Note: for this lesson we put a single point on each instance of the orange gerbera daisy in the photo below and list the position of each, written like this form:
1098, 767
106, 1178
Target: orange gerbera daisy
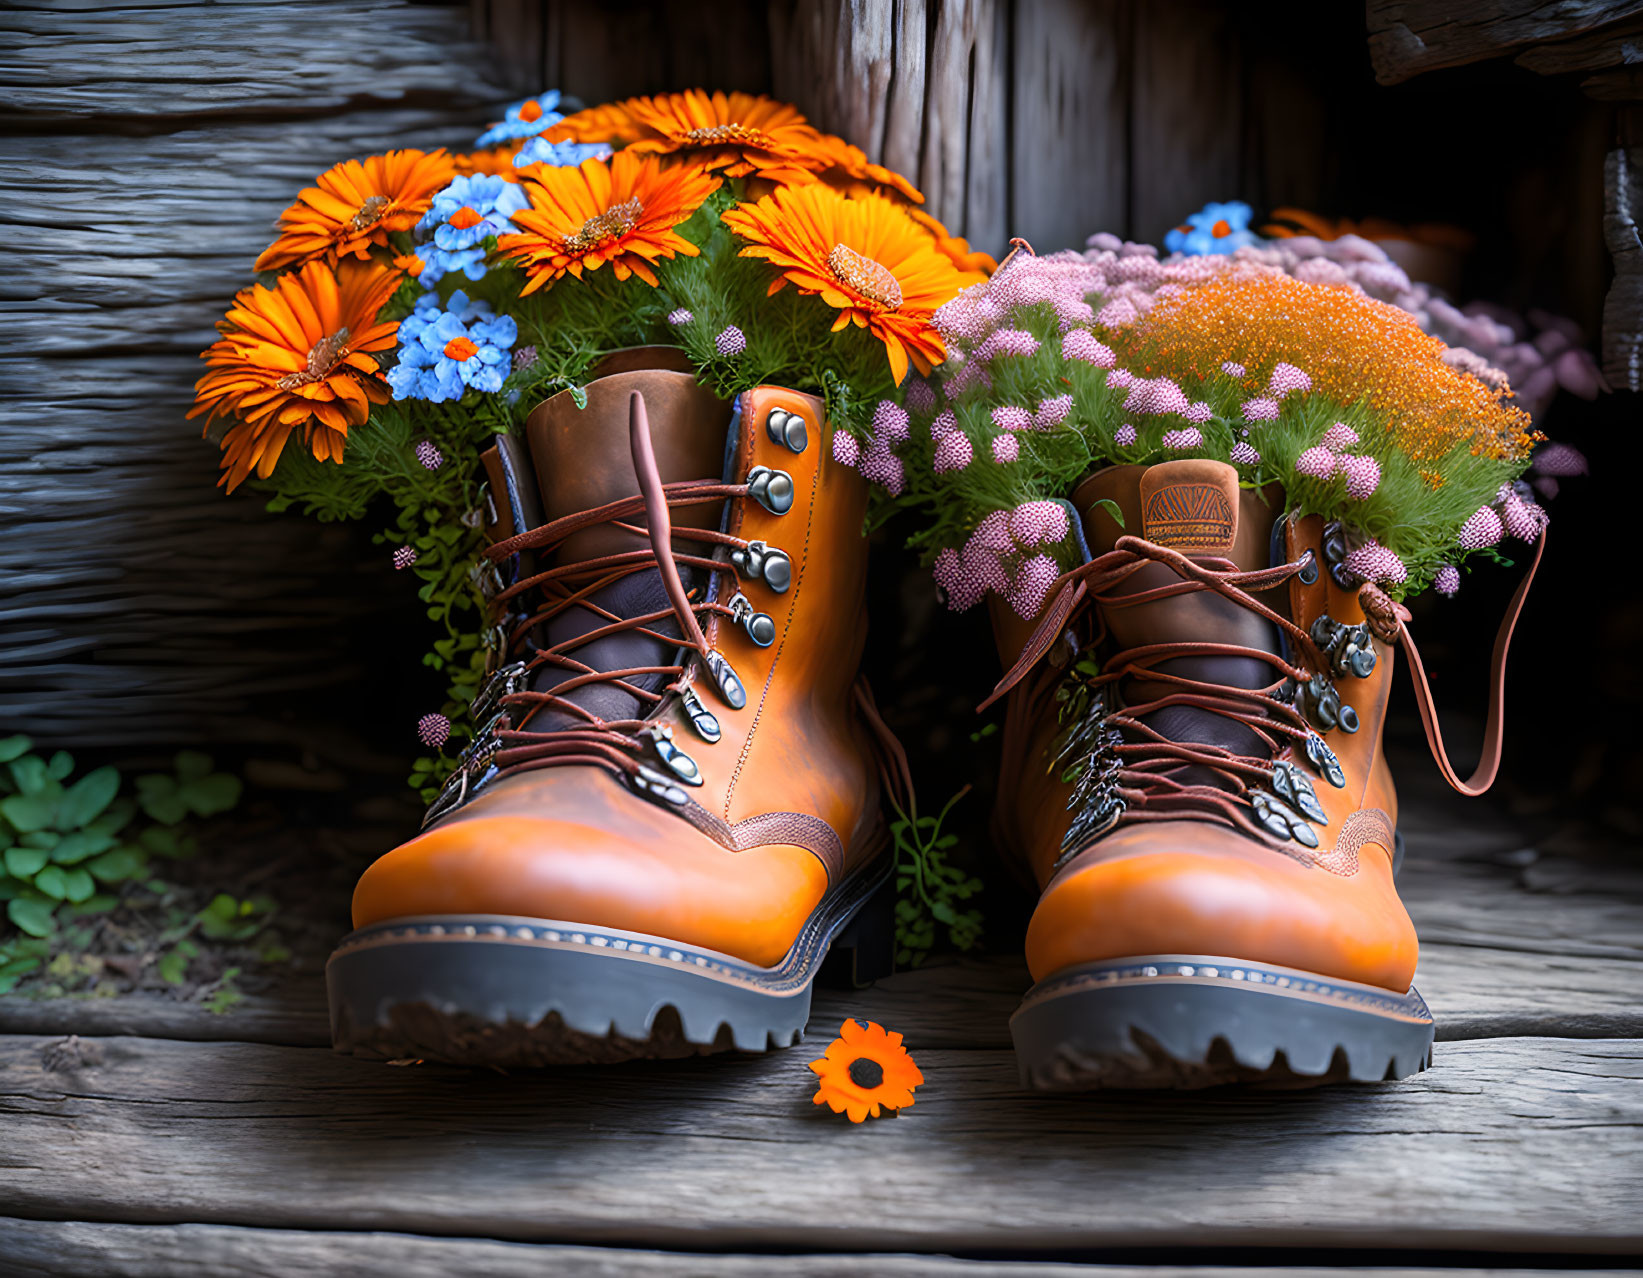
956, 247
864, 256
355, 205
847, 166
295, 355
864, 1070
611, 123
623, 212
497, 161
736, 134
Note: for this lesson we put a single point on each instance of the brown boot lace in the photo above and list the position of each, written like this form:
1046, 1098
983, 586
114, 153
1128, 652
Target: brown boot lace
1126, 771
636, 748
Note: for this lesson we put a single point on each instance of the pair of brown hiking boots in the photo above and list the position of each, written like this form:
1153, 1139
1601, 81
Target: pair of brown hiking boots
671, 809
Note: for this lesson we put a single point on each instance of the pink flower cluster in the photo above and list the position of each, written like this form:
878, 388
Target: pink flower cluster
1325, 460
1003, 556
1522, 519
1286, 379
1511, 515
433, 730
1374, 562
1153, 396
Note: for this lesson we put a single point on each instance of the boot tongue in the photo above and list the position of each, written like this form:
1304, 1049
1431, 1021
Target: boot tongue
583, 460
1197, 508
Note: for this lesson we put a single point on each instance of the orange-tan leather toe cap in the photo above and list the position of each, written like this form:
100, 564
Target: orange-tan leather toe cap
1192, 888
571, 844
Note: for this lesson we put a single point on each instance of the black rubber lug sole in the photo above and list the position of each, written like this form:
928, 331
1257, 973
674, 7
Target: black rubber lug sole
507, 992
1189, 1021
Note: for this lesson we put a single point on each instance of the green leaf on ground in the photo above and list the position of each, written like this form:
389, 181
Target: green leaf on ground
32, 915
25, 863
28, 812
87, 799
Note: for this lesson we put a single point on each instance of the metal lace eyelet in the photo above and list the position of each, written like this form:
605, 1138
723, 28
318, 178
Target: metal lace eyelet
1308, 576
725, 682
772, 489
761, 629
766, 563
680, 763
787, 429
701, 719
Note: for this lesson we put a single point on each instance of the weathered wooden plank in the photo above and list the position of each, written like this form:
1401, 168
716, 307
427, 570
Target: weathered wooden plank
1069, 127
1622, 217
137, 604
264, 58
1407, 37
1618, 45
1513, 1145
1186, 122
50, 1248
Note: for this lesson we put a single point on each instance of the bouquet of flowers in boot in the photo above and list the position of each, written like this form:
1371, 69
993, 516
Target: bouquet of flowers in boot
416, 305
1337, 403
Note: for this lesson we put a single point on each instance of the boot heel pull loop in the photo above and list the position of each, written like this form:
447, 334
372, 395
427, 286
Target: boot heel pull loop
1495, 724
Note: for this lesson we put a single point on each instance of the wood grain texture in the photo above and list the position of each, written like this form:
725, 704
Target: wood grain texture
50, 1248
1623, 305
661, 1154
1407, 37
1620, 44
1069, 121
1185, 143
257, 58
138, 605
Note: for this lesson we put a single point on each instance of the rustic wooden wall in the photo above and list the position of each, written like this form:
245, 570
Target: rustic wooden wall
145, 153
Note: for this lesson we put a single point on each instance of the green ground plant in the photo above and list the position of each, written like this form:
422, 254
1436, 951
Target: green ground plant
72, 849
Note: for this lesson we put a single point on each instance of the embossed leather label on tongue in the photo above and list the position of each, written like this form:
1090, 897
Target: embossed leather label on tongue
1190, 506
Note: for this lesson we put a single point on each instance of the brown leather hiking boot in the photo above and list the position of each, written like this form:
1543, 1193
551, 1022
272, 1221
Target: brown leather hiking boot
672, 806
1194, 778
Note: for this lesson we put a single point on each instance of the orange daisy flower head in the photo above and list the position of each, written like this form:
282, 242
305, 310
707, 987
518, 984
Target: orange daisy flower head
625, 212
297, 356
972, 262
610, 123
496, 162
353, 207
848, 168
737, 134
864, 256
864, 1071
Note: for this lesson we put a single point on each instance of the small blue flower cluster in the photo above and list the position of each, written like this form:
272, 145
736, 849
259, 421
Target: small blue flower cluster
445, 350
1215, 228
523, 120
486, 204
559, 154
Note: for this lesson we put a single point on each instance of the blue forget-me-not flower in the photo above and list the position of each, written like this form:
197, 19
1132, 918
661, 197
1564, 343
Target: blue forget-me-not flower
1215, 228
444, 350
